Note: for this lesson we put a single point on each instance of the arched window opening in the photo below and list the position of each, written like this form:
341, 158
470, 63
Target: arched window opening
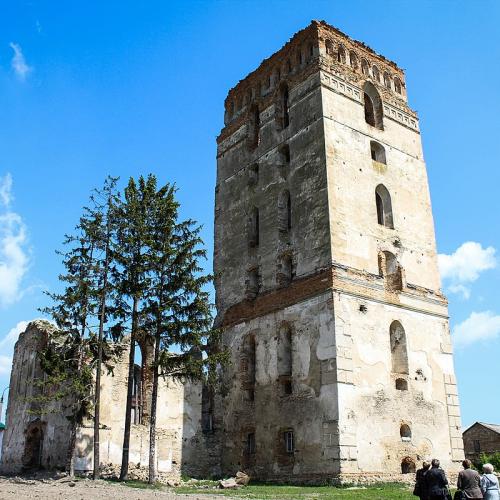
365, 68
377, 152
285, 270
376, 74
391, 271
254, 127
373, 106
285, 212
329, 47
397, 85
353, 58
408, 466
248, 367
399, 353
311, 50
387, 80
253, 174
401, 384
384, 207
284, 358
405, 432
341, 55
285, 108
252, 283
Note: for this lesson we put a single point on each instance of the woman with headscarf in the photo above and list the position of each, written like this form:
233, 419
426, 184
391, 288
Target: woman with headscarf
489, 484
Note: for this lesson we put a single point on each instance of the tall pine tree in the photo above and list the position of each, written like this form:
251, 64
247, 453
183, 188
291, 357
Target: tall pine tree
177, 311
74, 351
134, 241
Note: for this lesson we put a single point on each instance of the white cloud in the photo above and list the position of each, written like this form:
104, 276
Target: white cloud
11, 338
5, 364
18, 63
478, 326
6, 190
14, 254
461, 290
465, 265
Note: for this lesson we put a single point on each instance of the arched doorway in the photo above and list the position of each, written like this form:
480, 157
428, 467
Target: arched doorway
33, 445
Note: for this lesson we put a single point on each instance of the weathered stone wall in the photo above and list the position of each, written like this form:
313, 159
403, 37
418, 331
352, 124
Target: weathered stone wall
32, 439
303, 177
372, 390
488, 440
179, 431
310, 410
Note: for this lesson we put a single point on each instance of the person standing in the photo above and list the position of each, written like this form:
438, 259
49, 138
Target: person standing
489, 484
469, 481
437, 484
420, 484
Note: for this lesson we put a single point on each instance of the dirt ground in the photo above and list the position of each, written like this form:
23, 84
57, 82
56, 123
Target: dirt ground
20, 489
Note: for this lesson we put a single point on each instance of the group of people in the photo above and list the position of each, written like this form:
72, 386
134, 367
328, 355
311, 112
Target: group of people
431, 483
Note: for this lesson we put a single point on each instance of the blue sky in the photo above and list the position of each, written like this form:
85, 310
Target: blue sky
120, 87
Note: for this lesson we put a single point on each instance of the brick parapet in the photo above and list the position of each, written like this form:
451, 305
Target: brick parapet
304, 54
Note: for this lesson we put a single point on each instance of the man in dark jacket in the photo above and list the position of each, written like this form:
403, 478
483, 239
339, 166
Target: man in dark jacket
420, 484
469, 481
437, 484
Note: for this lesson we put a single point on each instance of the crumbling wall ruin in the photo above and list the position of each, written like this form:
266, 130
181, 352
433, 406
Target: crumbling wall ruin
35, 441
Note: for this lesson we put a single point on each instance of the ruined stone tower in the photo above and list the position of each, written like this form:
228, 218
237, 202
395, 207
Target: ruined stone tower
326, 271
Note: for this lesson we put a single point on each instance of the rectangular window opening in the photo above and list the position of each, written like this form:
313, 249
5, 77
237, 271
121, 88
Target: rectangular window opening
289, 442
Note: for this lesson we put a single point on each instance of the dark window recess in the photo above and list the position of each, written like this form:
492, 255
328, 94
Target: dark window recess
374, 113
384, 207
250, 444
253, 227
401, 384
369, 111
289, 442
377, 152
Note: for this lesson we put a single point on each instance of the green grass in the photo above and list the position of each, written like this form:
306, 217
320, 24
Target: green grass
274, 492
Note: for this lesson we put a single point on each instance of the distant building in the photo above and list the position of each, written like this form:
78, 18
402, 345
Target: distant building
481, 438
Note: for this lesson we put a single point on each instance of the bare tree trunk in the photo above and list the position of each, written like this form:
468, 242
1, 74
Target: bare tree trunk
97, 402
70, 463
152, 422
130, 385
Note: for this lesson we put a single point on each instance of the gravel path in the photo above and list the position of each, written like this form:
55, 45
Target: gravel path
20, 489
